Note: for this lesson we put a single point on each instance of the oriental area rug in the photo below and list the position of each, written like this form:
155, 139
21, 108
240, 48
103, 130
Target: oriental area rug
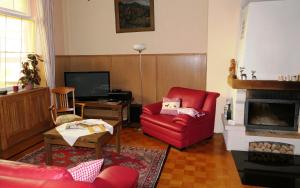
148, 162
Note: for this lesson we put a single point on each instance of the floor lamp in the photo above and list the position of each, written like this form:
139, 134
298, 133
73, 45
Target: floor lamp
140, 48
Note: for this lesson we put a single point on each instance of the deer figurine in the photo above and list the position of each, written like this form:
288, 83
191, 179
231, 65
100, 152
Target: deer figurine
243, 75
252, 74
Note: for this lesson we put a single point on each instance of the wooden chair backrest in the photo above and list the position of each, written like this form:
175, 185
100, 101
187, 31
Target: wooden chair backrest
60, 98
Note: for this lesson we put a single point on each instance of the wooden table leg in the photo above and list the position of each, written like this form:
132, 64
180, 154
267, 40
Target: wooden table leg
118, 138
48, 148
121, 116
98, 150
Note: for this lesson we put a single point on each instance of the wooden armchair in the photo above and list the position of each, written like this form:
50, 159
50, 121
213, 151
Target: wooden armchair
61, 110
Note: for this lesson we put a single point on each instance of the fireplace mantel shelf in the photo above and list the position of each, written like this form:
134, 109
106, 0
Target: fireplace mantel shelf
263, 84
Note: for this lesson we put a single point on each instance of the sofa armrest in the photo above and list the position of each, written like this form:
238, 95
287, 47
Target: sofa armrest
114, 176
210, 102
152, 109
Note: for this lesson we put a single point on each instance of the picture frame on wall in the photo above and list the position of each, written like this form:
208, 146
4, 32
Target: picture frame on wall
134, 15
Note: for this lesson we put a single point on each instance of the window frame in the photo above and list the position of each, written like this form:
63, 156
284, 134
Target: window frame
19, 15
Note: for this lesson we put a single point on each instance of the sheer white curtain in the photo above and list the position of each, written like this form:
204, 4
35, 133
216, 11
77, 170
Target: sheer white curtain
44, 34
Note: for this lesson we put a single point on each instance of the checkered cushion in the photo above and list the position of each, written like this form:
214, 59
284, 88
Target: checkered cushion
86, 171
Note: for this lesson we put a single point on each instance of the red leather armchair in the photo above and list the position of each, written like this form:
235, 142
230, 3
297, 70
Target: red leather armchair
21, 175
182, 130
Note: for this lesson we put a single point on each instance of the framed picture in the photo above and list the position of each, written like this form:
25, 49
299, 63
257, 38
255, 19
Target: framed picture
134, 15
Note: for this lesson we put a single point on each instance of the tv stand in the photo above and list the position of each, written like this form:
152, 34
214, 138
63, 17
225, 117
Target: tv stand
113, 100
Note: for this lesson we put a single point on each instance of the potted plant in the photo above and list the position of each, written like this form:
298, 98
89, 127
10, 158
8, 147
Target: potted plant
30, 71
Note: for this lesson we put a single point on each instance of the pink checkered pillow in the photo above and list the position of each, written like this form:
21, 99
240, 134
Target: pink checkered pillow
86, 171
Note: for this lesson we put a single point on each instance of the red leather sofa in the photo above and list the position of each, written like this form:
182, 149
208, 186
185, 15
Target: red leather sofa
181, 130
21, 175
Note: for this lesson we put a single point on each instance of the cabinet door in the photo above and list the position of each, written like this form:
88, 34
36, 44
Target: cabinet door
23, 115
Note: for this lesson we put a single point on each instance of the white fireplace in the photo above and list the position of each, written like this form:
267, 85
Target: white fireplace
237, 138
268, 45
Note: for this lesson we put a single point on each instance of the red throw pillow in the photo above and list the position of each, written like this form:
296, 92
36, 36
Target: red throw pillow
170, 106
86, 171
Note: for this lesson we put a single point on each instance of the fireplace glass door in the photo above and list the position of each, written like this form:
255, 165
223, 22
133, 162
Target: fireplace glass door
271, 114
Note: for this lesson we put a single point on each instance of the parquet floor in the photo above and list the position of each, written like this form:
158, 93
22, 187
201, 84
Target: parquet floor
203, 165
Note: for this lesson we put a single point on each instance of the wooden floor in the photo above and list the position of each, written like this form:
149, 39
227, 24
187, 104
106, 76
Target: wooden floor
206, 164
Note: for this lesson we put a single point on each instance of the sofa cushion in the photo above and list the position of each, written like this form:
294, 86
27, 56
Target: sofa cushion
190, 98
23, 170
170, 106
86, 171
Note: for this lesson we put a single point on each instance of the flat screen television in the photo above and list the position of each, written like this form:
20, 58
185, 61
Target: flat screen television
89, 85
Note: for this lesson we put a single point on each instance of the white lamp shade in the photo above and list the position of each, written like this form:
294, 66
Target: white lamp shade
139, 47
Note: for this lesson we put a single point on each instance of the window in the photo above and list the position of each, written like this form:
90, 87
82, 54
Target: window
16, 39
21, 6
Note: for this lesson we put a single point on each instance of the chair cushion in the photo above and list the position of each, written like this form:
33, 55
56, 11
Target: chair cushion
86, 171
67, 118
170, 106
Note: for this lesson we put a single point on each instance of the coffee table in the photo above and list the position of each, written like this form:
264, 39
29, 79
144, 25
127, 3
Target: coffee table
96, 141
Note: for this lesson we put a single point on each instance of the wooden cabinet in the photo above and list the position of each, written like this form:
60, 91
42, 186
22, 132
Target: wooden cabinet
24, 116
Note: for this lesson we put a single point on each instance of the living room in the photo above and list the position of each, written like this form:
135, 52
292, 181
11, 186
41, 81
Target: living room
190, 44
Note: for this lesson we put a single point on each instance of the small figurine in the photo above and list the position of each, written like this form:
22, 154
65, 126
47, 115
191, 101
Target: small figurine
252, 74
232, 69
243, 75
295, 78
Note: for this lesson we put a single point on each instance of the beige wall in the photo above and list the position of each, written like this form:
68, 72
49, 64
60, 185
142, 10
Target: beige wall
223, 34
58, 27
88, 27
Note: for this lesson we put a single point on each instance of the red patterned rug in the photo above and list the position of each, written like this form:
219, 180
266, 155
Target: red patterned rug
148, 162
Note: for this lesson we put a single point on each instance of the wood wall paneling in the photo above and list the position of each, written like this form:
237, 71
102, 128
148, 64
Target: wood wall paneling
125, 74
160, 72
61, 65
182, 70
149, 78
